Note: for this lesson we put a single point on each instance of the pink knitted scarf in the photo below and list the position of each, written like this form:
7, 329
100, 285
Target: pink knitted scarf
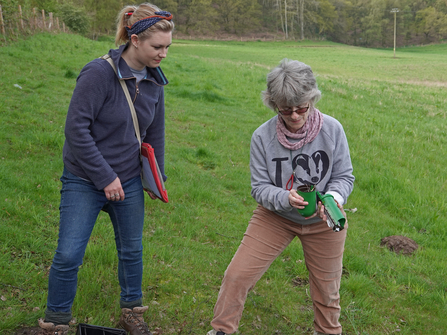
305, 134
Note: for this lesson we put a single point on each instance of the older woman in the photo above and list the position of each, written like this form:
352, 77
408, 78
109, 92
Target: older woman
300, 145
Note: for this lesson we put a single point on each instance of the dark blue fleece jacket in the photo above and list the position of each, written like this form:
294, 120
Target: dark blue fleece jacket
100, 142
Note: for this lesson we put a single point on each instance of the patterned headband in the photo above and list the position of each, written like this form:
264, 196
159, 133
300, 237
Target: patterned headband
147, 22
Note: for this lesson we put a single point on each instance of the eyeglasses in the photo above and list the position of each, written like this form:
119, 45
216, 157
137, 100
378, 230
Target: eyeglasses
290, 110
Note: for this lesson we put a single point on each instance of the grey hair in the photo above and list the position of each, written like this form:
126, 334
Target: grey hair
291, 83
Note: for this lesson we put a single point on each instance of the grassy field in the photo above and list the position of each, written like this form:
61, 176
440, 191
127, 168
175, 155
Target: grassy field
394, 114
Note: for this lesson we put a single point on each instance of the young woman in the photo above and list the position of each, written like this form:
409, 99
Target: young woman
299, 145
102, 166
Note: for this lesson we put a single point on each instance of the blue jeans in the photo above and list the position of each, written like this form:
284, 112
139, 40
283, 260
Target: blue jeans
81, 203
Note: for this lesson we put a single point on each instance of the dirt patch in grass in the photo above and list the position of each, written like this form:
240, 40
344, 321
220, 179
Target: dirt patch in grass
36, 330
399, 244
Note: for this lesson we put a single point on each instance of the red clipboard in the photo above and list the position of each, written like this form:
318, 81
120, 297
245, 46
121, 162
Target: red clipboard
151, 176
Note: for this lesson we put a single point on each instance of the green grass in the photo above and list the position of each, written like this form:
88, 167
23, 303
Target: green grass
394, 115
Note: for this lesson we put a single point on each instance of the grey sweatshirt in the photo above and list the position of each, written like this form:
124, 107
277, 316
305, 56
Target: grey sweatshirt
324, 162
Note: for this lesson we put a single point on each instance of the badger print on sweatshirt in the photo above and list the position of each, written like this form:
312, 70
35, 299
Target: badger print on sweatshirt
312, 169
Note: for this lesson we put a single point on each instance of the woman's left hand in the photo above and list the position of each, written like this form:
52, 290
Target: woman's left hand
320, 212
152, 195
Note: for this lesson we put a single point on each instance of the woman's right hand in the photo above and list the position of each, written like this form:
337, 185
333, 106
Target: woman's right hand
296, 200
114, 191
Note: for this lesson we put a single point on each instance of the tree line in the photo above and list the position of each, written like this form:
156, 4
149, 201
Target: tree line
367, 23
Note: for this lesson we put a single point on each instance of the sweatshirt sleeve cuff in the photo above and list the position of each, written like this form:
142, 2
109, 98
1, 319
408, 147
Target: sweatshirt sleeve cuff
101, 185
288, 207
337, 197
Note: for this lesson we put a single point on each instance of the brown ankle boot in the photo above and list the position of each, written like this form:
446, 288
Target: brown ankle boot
49, 328
132, 321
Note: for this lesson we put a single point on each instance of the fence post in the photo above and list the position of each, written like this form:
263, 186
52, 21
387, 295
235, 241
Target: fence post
34, 20
57, 24
43, 19
50, 26
1, 22
21, 18
17, 26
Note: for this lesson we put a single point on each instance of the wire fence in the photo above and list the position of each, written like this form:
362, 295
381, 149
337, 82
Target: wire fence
15, 23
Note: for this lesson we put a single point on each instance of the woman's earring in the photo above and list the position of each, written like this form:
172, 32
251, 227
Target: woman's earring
136, 46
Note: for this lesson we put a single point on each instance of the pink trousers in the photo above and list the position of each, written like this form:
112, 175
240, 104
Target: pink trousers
267, 235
